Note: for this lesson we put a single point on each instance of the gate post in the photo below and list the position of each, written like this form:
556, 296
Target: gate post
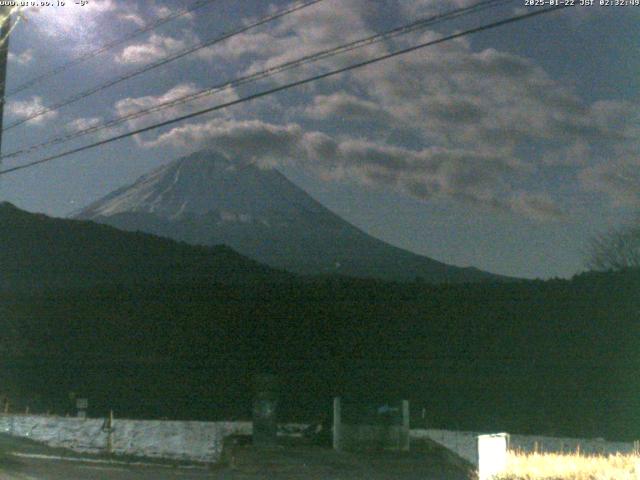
337, 424
265, 406
405, 437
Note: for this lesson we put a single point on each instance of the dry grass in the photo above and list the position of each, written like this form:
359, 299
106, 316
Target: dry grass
547, 466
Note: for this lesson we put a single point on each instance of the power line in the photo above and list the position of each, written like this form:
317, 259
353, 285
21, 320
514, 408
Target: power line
360, 43
267, 73
163, 61
287, 86
108, 46
5, 30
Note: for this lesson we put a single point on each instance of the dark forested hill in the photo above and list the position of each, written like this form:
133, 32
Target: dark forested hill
556, 357
155, 328
39, 252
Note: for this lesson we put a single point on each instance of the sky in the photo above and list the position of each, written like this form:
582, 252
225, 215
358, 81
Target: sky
506, 150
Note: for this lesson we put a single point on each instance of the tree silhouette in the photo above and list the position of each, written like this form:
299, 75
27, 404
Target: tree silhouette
617, 249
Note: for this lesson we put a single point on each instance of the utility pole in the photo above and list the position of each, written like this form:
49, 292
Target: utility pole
5, 29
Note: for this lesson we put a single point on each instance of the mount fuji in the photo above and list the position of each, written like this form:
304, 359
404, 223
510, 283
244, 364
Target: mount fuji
208, 199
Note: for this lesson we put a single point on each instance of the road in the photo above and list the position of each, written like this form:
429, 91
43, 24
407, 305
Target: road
25, 460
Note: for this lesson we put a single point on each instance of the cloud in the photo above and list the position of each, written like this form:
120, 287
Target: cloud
152, 13
458, 96
537, 206
578, 153
83, 123
162, 11
241, 45
483, 126
472, 177
425, 173
308, 31
25, 108
615, 171
132, 17
618, 120
448, 94
496, 102
23, 58
424, 8
132, 105
342, 105
155, 47
620, 181
243, 140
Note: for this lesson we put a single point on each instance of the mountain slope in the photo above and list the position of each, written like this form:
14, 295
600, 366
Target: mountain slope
37, 252
207, 199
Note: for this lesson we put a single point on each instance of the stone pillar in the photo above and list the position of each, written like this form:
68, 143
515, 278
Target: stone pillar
337, 424
405, 431
265, 406
82, 404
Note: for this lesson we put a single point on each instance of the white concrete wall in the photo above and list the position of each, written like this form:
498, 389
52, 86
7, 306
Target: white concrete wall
464, 444
193, 441
203, 441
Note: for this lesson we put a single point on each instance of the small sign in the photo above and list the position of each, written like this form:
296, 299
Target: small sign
82, 403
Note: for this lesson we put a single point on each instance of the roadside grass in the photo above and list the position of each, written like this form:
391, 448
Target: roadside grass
570, 466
